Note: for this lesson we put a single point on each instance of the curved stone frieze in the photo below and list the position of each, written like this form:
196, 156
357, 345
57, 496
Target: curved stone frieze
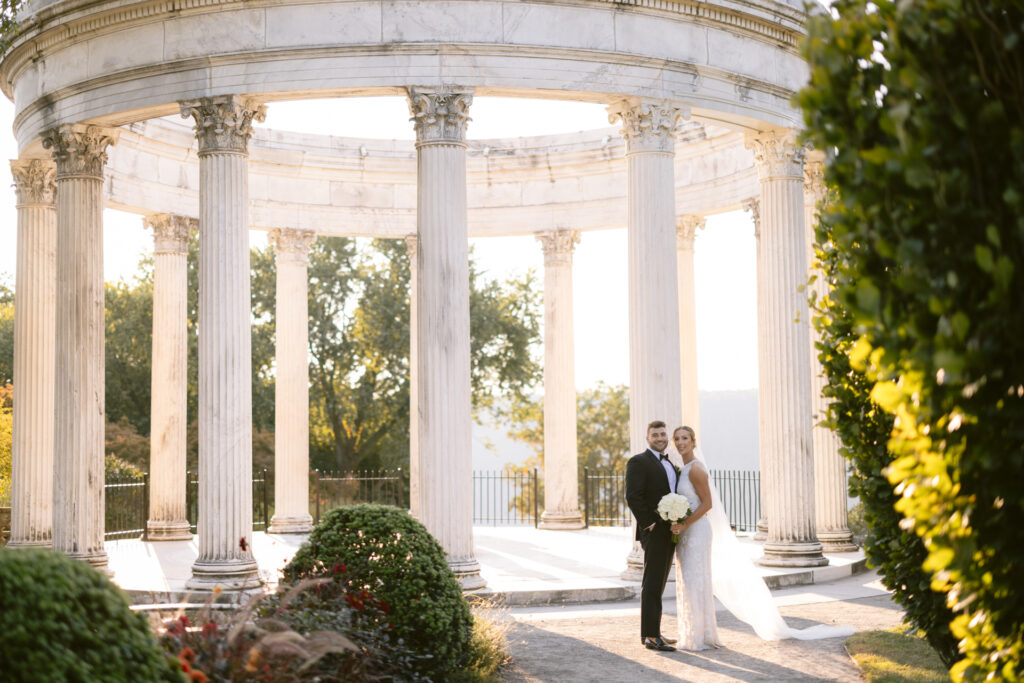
515, 186
115, 62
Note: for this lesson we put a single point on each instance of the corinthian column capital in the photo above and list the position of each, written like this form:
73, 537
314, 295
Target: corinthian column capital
291, 245
558, 245
440, 114
814, 176
647, 125
686, 229
79, 150
777, 153
224, 122
33, 181
753, 205
170, 232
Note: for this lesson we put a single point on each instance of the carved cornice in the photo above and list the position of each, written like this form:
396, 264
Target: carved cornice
753, 205
440, 114
223, 123
412, 245
686, 230
170, 232
558, 245
291, 245
777, 154
33, 181
647, 125
79, 150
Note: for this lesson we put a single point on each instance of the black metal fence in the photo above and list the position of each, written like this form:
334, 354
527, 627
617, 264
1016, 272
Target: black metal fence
126, 499
262, 487
336, 489
740, 491
506, 497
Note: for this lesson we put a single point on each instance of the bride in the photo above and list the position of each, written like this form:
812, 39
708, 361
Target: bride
711, 563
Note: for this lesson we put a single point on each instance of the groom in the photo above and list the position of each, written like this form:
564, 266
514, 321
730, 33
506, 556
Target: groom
649, 476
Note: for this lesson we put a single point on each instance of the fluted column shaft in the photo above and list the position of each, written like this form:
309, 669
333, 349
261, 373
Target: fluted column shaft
223, 126
784, 398
442, 335
686, 232
831, 521
291, 388
561, 477
168, 520
753, 205
414, 432
654, 369
78, 507
32, 440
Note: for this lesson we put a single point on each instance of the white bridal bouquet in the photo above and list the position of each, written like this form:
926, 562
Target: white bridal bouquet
673, 508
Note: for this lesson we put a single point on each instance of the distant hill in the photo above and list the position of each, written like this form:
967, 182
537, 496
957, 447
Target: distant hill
728, 435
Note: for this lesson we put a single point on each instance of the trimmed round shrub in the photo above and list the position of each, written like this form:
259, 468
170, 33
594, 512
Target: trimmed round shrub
394, 571
62, 620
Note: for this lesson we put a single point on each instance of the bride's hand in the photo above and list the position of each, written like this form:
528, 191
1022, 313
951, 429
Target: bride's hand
677, 528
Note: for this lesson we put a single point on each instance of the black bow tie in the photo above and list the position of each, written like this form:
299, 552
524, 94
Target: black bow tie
663, 456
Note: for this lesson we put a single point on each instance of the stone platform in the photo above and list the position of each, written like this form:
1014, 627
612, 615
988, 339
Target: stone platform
522, 565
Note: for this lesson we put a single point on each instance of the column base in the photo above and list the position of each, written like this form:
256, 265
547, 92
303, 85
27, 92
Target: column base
837, 541
29, 544
634, 564
178, 530
229, 576
302, 524
761, 534
97, 560
467, 573
561, 520
781, 554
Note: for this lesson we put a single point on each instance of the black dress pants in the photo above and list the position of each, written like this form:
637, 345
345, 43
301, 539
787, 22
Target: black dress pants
658, 550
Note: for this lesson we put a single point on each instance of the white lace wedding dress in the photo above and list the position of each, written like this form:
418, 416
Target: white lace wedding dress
695, 603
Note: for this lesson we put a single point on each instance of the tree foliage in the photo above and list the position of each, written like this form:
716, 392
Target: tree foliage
6, 332
6, 443
923, 105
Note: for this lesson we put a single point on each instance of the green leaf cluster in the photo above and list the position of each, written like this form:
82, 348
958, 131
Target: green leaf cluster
387, 553
921, 107
63, 620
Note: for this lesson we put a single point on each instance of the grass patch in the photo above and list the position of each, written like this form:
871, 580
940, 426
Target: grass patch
488, 646
895, 656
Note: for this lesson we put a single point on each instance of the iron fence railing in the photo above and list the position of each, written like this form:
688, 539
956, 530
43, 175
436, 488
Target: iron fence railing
506, 497
337, 489
740, 491
126, 501
604, 497
262, 487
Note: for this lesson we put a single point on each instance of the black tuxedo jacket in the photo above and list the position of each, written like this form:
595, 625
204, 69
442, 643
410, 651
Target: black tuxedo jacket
646, 484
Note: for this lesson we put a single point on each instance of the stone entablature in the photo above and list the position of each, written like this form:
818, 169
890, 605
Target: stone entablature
515, 186
115, 62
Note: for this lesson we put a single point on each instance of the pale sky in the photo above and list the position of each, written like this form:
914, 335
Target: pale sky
724, 251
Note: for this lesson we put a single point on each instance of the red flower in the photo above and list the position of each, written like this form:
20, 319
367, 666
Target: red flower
340, 568
209, 630
198, 677
184, 621
242, 544
187, 655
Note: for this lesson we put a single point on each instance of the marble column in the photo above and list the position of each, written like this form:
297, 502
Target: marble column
32, 438
753, 206
291, 388
655, 393
686, 232
444, 420
168, 520
831, 522
561, 478
784, 396
414, 449
223, 125
78, 505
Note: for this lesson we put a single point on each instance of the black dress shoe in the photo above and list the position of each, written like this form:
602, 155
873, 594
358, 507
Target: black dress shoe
656, 643
670, 641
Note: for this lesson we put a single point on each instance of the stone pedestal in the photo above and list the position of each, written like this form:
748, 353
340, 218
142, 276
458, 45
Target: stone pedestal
167, 444
414, 436
32, 438
442, 335
784, 398
291, 389
78, 501
753, 206
831, 522
223, 125
561, 477
686, 232
654, 371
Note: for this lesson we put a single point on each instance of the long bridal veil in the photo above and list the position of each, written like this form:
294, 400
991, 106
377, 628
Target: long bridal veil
737, 584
